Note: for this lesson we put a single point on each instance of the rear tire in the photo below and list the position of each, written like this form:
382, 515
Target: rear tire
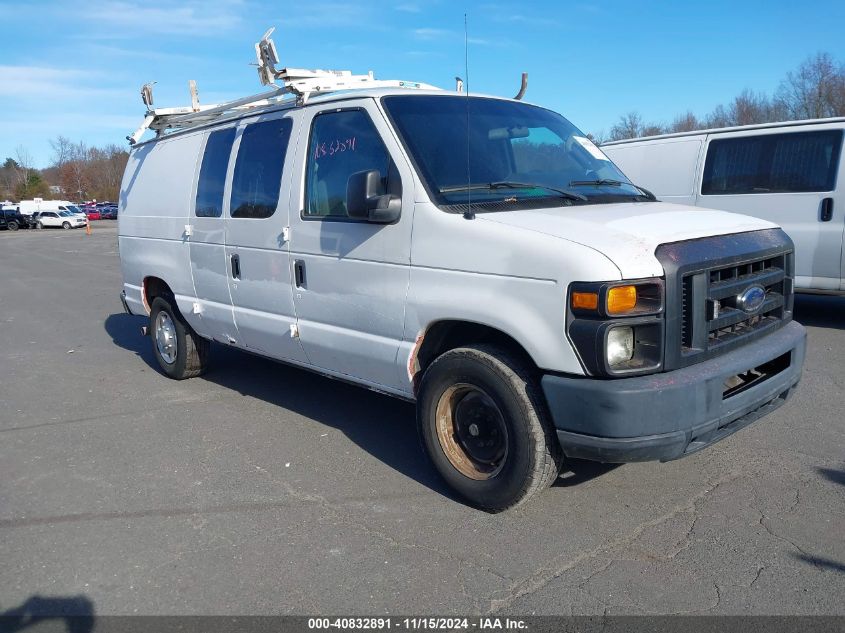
181, 353
38, 225
13, 226
484, 424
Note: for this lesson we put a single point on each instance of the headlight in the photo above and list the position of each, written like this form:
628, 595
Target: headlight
617, 327
620, 345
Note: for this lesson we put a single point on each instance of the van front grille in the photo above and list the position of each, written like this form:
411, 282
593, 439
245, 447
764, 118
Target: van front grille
724, 291
725, 323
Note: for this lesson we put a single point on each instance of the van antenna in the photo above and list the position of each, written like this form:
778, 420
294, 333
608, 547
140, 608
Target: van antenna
468, 214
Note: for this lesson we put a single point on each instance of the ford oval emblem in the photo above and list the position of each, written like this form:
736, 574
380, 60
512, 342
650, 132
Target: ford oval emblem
751, 299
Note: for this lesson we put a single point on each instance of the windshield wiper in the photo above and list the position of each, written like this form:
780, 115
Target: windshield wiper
605, 182
509, 184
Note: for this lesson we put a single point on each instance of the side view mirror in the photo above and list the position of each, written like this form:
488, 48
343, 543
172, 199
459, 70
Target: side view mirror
364, 202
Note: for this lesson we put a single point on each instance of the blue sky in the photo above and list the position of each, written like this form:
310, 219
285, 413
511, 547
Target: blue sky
75, 67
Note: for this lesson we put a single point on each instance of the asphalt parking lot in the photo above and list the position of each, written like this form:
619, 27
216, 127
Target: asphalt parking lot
262, 489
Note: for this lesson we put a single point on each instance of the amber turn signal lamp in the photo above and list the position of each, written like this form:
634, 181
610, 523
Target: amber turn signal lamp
621, 299
585, 301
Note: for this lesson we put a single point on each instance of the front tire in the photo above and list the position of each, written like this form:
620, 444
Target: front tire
13, 226
485, 427
39, 225
181, 353
65, 225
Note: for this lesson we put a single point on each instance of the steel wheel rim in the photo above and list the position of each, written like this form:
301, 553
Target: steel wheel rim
165, 332
472, 432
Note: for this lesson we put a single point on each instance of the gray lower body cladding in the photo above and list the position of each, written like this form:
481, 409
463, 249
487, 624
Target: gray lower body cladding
669, 415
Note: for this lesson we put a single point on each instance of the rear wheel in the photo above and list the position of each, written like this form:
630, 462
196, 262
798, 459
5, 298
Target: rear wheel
181, 353
484, 424
13, 226
39, 225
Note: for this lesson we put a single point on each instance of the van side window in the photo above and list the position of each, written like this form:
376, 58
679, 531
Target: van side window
774, 163
213, 173
342, 143
258, 170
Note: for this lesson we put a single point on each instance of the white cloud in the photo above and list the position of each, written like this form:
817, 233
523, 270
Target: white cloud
408, 7
426, 34
27, 83
139, 53
325, 14
194, 17
527, 20
432, 35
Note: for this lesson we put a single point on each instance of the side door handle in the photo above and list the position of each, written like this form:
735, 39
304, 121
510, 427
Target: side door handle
236, 266
827, 210
299, 273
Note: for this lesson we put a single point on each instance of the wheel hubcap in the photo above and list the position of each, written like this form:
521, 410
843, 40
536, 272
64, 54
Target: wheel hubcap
472, 431
166, 338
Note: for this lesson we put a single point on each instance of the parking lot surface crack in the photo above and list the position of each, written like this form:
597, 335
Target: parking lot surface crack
544, 576
789, 541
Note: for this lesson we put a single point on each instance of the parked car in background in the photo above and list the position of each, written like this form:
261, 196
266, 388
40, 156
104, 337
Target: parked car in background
93, 213
11, 219
63, 219
109, 213
74, 210
788, 173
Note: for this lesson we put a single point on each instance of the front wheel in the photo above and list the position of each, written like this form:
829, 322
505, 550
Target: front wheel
13, 226
39, 225
181, 353
65, 225
484, 424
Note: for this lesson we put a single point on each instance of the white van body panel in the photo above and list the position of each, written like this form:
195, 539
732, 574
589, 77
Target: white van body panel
27, 207
661, 165
156, 196
629, 232
672, 170
513, 279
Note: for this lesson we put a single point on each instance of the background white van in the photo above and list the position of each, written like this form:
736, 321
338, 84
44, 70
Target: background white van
788, 173
28, 207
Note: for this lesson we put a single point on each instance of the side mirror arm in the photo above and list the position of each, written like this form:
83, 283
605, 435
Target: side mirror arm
384, 209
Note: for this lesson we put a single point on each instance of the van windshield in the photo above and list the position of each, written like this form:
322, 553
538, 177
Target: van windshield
490, 151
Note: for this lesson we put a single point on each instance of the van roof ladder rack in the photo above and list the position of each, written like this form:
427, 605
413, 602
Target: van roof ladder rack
298, 82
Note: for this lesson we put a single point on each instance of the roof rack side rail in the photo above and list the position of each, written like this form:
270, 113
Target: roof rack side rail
298, 82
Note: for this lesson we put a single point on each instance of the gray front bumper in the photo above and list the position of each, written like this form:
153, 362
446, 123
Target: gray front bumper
669, 415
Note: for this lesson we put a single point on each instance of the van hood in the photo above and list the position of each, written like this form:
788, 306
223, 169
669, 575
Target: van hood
628, 233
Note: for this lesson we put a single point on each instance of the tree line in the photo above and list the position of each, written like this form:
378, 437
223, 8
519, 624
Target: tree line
814, 90
77, 172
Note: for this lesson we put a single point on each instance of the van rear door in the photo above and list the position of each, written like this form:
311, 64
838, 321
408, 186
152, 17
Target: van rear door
789, 176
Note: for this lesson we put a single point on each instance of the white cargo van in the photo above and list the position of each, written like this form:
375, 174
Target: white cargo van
477, 255
28, 207
788, 173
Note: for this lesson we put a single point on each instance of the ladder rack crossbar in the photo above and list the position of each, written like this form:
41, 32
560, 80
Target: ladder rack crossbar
298, 82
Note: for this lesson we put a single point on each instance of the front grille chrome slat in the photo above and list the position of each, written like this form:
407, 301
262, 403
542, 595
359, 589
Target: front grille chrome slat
732, 316
732, 287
